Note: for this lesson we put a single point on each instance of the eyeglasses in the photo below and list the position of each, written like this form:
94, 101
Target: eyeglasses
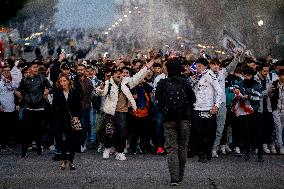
108, 75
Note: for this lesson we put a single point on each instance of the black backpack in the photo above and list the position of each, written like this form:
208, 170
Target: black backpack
175, 100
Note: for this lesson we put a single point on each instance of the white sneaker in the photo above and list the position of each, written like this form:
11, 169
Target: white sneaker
100, 148
266, 149
223, 149
228, 149
106, 153
281, 151
214, 154
83, 148
273, 150
120, 157
237, 151
125, 150
52, 148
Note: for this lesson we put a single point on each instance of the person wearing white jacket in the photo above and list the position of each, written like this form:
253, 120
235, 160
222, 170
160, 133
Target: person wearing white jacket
8, 85
208, 94
118, 100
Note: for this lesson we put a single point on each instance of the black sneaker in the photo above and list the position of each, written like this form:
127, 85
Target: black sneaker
202, 160
208, 156
247, 157
39, 150
260, 159
23, 156
56, 157
190, 154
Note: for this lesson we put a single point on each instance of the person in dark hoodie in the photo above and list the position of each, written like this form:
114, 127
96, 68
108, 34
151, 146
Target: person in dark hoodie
245, 106
175, 99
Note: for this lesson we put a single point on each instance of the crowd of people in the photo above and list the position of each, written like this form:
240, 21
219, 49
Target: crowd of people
159, 104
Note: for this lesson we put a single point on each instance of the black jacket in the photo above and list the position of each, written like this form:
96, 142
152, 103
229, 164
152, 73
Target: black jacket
32, 89
62, 118
253, 90
275, 96
168, 94
62, 108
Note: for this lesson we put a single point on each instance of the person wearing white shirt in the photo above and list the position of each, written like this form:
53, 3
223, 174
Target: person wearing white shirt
8, 114
221, 74
208, 94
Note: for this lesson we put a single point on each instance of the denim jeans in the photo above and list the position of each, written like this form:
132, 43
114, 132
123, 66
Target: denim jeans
220, 120
278, 128
85, 122
93, 136
159, 135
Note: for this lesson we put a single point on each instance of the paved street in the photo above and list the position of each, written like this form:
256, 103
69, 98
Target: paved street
140, 171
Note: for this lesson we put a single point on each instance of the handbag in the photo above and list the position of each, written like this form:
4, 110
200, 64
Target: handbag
76, 125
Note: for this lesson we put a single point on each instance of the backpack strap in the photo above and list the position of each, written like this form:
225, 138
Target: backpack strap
109, 88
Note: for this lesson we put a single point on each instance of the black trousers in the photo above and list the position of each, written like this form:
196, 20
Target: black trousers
140, 129
252, 132
267, 125
205, 131
9, 128
32, 129
68, 144
118, 138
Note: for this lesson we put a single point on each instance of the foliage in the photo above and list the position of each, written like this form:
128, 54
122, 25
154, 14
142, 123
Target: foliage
11, 8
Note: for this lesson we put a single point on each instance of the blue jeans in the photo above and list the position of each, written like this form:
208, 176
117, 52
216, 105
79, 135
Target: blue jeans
159, 135
85, 122
93, 136
220, 120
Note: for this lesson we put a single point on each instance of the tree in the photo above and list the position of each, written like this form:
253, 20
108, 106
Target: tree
33, 16
11, 8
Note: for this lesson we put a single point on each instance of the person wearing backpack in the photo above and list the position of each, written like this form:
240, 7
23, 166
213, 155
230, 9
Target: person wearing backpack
208, 100
175, 99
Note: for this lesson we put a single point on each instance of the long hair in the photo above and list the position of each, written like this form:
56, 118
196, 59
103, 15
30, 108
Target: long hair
71, 84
